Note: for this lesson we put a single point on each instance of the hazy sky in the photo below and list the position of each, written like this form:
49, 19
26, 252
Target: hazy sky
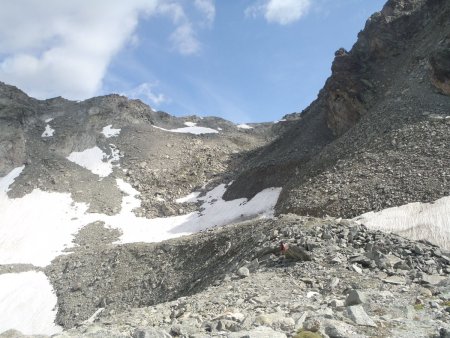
244, 60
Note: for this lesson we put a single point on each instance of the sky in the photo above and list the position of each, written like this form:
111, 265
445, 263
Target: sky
243, 60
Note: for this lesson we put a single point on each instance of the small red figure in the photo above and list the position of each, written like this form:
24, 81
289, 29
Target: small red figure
283, 247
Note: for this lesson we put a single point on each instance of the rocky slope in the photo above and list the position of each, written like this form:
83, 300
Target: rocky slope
378, 134
235, 282
161, 165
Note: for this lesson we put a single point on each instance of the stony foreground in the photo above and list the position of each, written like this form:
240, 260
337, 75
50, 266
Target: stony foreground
336, 279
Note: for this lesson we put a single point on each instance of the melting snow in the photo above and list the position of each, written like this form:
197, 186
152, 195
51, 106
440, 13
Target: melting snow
27, 303
191, 130
48, 132
95, 160
244, 126
190, 124
5, 182
192, 197
36, 228
39, 226
430, 221
108, 131
216, 212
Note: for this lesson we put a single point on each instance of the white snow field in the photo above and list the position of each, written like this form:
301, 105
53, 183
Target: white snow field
95, 160
108, 131
190, 124
244, 126
192, 129
39, 226
48, 132
216, 212
430, 221
27, 303
36, 228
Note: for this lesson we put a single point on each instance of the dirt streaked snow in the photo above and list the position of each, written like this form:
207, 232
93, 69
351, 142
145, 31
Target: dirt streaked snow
27, 303
108, 131
430, 221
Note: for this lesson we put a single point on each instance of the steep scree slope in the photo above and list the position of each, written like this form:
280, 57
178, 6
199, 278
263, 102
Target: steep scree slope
377, 135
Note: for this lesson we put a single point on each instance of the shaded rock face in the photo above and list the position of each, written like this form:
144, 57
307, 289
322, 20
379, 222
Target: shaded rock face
440, 68
343, 94
12, 146
348, 93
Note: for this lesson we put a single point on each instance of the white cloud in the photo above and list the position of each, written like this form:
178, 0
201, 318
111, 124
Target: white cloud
174, 10
184, 40
63, 48
145, 91
282, 12
208, 8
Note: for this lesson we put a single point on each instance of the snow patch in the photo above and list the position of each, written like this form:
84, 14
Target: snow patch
244, 126
48, 132
191, 130
429, 221
49, 120
95, 160
191, 198
108, 131
216, 212
130, 201
190, 124
27, 303
36, 228
5, 182
39, 226
278, 121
